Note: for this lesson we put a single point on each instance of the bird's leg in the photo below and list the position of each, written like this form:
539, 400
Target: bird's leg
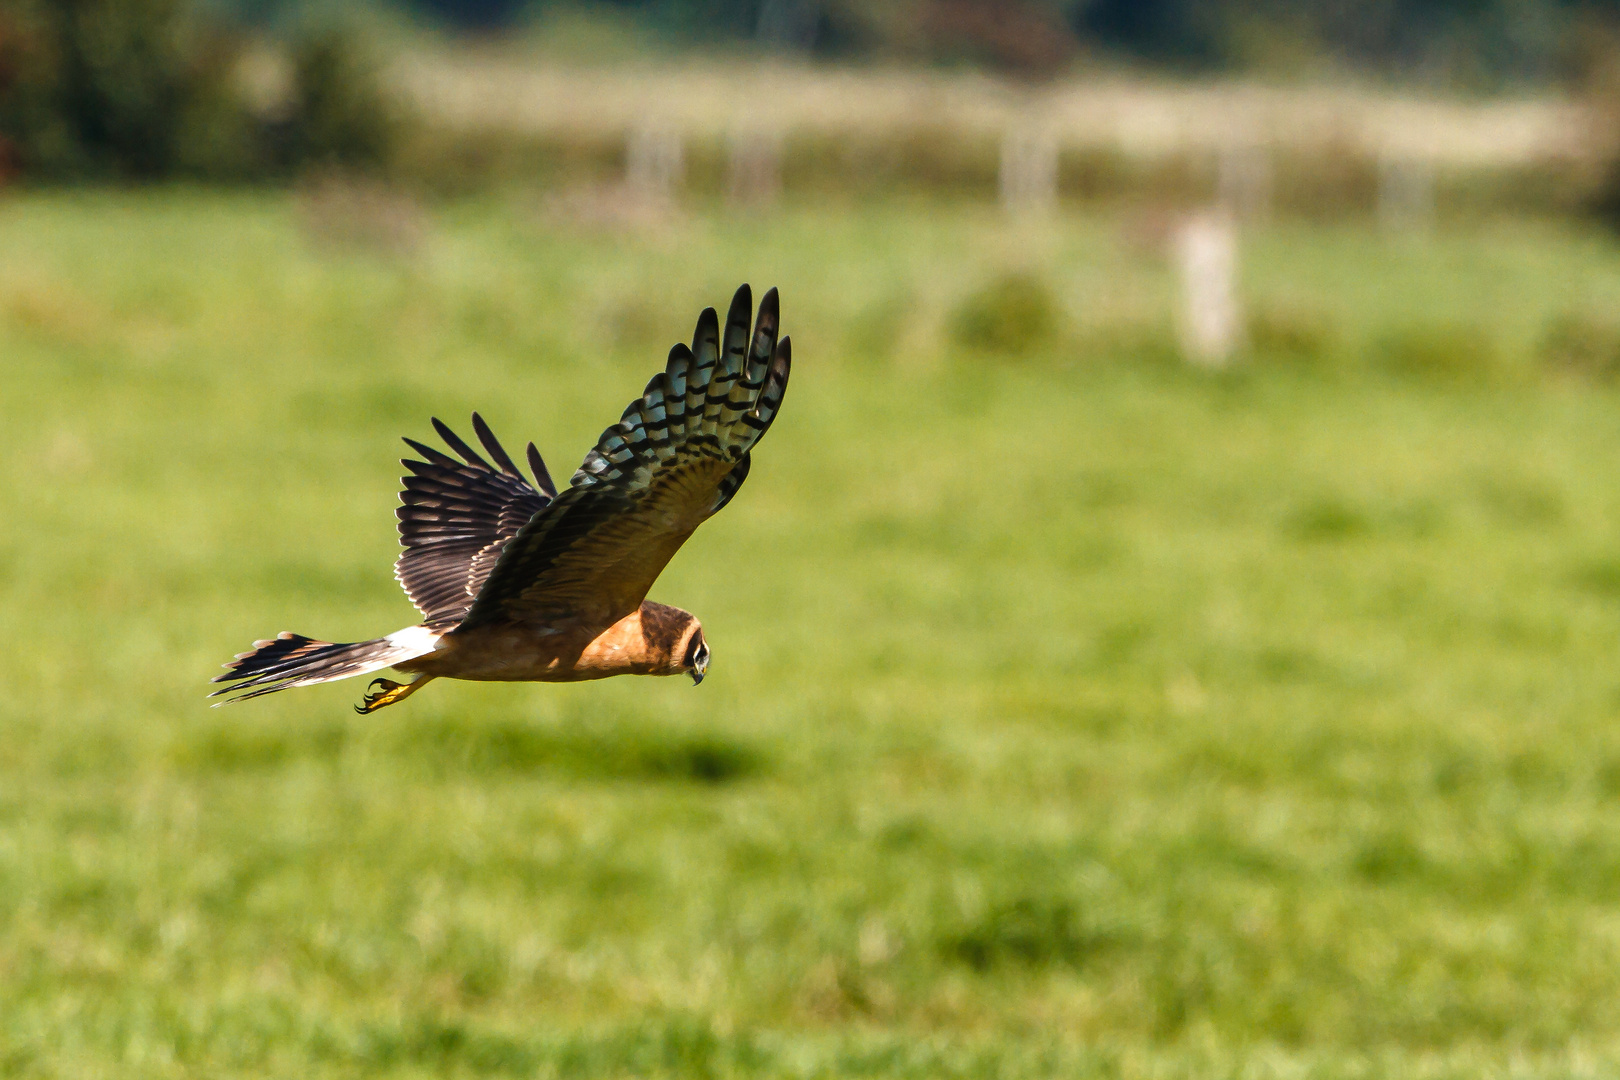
391, 693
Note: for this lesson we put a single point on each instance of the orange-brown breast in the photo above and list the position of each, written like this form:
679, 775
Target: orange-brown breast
649, 641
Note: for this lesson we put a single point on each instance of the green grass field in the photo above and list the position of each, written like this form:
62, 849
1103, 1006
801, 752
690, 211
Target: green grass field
1071, 714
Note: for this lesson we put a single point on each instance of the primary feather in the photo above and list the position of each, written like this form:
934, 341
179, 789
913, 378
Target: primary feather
456, 516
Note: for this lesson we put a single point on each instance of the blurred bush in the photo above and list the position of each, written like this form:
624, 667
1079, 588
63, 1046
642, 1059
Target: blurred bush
336, 113
150, 89
1013, 314
137, 88
1598, 78
1581, 345
1290, 334
1603, 199
1439, 350
1476, 44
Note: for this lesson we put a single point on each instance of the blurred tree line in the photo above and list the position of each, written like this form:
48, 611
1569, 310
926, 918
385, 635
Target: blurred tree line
267, 89
149, 89
1470, 42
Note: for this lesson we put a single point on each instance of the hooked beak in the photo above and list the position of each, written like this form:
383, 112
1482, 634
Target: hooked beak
700, 661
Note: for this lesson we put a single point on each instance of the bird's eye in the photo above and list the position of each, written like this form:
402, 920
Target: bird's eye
697, 652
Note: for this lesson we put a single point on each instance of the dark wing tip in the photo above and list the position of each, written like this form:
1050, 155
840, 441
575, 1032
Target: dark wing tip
770, 310
453, 441
776, 378
434, 457
708, 329
542, 477
493, 445
741, 315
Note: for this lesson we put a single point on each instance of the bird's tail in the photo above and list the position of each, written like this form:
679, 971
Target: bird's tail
290, 660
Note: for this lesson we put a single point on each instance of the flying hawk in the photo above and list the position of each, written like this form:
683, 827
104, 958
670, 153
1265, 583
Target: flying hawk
518, 583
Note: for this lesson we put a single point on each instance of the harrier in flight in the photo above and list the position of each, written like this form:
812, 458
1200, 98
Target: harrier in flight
518, 583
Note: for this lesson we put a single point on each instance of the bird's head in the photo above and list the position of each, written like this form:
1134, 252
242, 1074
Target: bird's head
674, 641
696, 661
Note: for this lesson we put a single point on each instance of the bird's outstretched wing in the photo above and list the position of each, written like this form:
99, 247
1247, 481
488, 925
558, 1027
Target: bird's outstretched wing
458, 515
679, 453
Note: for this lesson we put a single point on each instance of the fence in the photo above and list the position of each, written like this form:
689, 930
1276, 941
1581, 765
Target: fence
1254, 151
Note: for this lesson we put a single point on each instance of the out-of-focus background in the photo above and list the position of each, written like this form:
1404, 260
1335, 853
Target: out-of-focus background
1172, 631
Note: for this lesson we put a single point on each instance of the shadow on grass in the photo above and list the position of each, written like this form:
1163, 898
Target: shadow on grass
449, 746
610, 752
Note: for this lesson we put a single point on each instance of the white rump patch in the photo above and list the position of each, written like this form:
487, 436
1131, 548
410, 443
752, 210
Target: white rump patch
416, 640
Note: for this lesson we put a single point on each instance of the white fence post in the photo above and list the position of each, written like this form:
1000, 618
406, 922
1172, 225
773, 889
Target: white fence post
1029, 170
654, 161
1209, 319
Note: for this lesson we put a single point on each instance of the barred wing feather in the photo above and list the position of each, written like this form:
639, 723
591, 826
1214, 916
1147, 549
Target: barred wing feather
676, 456
457, 516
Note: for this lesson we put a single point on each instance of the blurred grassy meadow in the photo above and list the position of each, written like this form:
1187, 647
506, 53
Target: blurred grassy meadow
1072, 713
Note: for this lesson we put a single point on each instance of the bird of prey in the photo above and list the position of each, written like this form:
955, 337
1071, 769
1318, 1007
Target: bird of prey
518, 582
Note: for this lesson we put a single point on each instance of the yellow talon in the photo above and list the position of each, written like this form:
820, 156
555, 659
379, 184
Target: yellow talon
391, 693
